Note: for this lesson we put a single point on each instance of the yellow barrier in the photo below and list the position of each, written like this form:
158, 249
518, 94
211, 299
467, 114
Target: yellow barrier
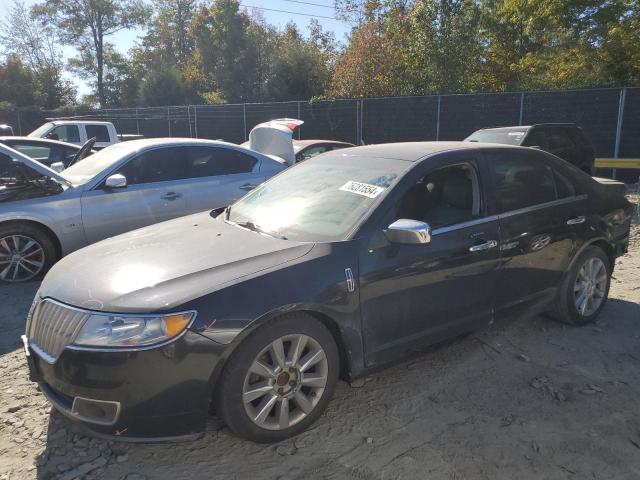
633, 163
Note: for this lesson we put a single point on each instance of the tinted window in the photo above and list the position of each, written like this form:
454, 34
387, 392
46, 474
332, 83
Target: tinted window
564, 187
558, 138
9, 170
100, 132
312, 152
444, 197
521, 181
537, 138
160, 165
65, 133
40, 153
209, 162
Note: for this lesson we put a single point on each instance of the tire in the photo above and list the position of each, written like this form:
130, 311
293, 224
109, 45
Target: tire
287, 385
35, 248
568, 308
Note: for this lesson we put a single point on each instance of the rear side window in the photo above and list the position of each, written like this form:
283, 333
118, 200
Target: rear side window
521, 181
216, 161
564, 187
537, 138
100, 132
559, 138
159, 165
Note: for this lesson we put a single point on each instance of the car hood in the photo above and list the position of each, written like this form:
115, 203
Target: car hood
159, 267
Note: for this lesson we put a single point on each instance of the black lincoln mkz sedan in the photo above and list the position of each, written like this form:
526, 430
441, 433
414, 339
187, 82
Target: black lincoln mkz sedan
333, 268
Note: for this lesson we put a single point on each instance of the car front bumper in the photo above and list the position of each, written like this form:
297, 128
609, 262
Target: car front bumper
153, 395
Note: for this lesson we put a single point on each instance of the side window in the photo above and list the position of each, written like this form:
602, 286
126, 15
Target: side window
65, 133
558, 138
537, 138
564, 187
521, 181
159, 165
9, 170
100, 132
443, 197
214, 161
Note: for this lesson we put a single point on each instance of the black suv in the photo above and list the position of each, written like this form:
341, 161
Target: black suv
565, 140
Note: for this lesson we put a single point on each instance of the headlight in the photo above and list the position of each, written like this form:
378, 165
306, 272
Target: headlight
103, 330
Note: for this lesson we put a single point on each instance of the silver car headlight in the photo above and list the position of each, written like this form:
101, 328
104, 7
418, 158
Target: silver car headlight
113, 330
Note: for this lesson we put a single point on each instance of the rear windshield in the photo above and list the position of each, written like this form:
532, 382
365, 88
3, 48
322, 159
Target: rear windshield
506, 137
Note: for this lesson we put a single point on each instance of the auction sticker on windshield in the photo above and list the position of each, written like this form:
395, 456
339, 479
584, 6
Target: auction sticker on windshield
365, 189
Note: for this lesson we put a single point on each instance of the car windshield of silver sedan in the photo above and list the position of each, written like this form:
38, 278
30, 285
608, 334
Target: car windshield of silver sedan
320, 200
82, 172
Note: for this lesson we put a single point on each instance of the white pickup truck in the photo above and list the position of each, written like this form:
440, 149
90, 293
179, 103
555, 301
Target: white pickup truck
79, 131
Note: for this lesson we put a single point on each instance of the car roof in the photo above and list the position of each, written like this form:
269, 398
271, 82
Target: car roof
57, 121
38, 140
414, 151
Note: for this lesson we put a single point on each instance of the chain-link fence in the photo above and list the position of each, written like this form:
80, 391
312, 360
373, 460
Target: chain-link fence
609, 116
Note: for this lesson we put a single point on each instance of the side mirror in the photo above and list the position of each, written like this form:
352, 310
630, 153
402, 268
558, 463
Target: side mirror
409, 232
57, 167
116, 181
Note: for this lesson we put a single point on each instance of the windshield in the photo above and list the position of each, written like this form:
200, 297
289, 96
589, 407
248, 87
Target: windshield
319, 200
506, 137
81, 172
41, 130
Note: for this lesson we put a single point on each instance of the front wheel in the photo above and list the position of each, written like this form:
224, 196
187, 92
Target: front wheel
279, 380
584, 291
26, 253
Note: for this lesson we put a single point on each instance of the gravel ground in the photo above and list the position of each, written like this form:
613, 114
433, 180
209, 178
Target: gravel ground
528, 399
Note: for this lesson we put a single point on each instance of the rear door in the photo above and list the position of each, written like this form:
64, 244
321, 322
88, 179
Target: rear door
156, 191
100, 133
539, 221
218, 176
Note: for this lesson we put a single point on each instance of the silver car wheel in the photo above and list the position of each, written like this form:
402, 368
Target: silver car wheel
590, 286
285, 382
21, 258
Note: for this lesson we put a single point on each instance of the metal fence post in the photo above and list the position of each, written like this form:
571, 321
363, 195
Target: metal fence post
189, 120
438, 121
244, 120
300, 127
137, 122
195, 118
19, 123
521, 108
169, 119
616, 150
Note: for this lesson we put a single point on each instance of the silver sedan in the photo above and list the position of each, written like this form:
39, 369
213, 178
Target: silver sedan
45, 215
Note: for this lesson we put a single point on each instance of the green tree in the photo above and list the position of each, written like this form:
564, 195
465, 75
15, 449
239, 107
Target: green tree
299, 71
443, 46
164, 87
86, 24
17, 83
34, 43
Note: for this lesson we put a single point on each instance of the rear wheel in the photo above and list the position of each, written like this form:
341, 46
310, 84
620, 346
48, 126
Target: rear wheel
279, 380
584, 291
26, 253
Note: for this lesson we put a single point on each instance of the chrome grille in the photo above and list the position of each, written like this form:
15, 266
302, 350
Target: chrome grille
53, 326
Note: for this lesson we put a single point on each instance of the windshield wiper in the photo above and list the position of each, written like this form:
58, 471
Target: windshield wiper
255, 228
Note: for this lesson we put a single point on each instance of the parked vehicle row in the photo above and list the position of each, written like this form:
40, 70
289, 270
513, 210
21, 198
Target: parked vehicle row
337, 266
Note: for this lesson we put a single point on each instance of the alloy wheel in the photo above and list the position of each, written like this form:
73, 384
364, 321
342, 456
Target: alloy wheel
590, 286
21, 258
285, 382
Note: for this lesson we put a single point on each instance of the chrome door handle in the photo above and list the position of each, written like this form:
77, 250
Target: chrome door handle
576, 220
489, 244
248, 186
171, 196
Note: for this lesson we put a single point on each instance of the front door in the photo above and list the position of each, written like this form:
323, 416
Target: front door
414, 295
156, 191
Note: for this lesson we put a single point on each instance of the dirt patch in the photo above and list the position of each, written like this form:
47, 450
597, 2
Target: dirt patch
529, 399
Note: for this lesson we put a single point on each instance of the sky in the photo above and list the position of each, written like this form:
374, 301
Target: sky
275, 12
